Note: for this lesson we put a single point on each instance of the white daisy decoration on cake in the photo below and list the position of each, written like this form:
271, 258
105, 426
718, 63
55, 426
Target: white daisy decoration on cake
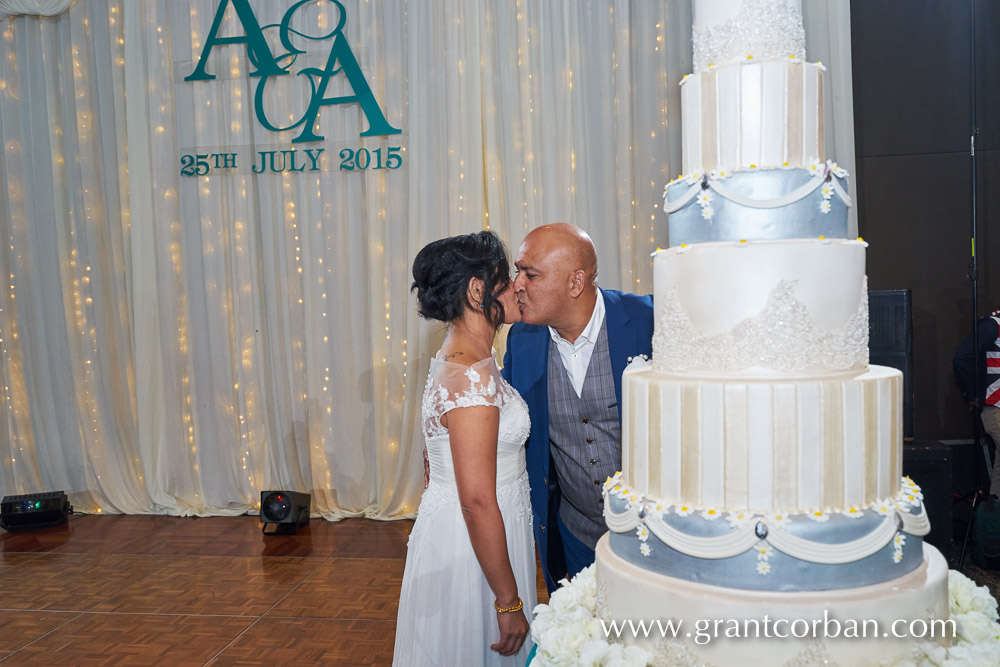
816, 167
711, 514
854, 512
899, 540
897, 556
778, 520
707, 212
764, 551
683, 510
902, 505
826, 191
883, 508
819, 516
739, 518
644, 549
693, 177
642, 532
704, 198
836, 169
763, 567
824, 207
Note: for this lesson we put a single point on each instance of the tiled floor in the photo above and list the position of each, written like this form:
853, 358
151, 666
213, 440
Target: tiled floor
157, 590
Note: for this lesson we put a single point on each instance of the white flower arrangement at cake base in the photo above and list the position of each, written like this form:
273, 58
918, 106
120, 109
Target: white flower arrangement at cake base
568, 632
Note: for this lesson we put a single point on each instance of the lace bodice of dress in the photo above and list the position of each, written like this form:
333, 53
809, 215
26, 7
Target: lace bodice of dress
451, 385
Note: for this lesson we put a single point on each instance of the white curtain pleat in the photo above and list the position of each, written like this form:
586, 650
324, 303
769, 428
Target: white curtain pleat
177, 344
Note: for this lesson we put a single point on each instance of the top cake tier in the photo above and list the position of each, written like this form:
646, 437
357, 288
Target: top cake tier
727, 31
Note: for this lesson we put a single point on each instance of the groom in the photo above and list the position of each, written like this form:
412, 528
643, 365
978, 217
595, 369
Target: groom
566, 358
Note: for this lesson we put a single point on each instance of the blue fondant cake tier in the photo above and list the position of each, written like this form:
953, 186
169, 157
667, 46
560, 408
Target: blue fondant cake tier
758, 563
756, 205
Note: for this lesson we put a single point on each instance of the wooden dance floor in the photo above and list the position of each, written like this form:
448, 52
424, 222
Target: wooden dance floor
157, 590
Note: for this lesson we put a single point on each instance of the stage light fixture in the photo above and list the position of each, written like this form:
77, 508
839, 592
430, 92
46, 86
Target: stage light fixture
287, 510
34, 510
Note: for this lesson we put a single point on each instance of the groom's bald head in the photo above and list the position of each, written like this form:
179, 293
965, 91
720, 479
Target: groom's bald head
556, 284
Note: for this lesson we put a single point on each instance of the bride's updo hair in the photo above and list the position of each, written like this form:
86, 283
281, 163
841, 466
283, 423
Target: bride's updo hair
442, 270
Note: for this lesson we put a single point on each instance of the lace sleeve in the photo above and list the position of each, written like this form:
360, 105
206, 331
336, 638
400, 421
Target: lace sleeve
451, 386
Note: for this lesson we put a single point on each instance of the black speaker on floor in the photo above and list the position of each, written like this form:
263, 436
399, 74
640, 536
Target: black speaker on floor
34, 510
928, 463
890, 341
287, 510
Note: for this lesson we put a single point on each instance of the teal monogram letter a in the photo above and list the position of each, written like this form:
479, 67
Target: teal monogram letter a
341, 51
257, 49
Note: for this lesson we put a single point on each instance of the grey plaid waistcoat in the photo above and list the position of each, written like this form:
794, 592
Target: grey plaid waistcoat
585, 436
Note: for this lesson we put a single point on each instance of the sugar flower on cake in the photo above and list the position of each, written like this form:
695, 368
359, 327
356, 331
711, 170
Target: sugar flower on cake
644, 549
816, 167
642, 532
611, 481
711, 514
854, 512
826, 191
778, 520
884, 507
683, 510
764, 551
693, 177
763, 567
824, 207
819, 516
739, 518
836, 169
704, 198
897, 556
718, 173
707, 212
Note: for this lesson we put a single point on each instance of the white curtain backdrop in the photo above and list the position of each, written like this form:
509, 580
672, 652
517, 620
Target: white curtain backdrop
176, 344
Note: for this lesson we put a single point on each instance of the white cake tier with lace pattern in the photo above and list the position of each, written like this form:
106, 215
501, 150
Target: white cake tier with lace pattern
785, 308
823, 443
862, 626
752, 114
728, 31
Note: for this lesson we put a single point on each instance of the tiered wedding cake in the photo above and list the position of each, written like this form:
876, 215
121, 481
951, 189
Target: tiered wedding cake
761, 453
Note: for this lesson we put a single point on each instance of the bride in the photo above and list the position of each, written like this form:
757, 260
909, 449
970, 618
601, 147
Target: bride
470, 565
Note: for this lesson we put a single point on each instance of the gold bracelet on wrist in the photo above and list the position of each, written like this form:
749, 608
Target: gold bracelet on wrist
508, 610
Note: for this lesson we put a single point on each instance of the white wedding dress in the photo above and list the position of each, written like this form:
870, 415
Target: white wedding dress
446, 614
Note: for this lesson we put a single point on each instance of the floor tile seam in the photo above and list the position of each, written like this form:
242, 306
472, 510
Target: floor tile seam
162, 555
126, 613
41, 637
12, 568
295, 587
233, 641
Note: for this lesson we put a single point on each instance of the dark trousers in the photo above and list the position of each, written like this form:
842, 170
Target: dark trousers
578, 555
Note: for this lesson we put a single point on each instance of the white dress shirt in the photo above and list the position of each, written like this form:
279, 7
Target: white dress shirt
576, 355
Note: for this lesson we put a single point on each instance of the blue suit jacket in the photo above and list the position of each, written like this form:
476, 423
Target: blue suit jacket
629, 320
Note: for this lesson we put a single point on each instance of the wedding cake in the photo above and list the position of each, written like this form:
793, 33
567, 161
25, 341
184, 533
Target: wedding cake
761, 484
